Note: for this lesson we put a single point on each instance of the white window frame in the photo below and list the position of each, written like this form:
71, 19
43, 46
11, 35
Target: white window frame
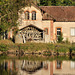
72, 31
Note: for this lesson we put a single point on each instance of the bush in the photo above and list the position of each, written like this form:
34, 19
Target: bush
67, 41
60, 38
3, 47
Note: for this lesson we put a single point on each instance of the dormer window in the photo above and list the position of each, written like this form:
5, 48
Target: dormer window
33, 15
27, 15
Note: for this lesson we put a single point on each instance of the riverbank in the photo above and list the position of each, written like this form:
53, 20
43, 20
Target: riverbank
7, 46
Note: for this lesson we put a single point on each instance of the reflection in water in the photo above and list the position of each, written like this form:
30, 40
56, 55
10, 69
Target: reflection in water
27, 67
58, 64
7, 68
31, 66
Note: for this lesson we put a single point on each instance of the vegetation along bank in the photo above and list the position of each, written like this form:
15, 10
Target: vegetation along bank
7, 46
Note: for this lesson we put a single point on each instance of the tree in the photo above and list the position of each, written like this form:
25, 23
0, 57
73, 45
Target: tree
9, 14
57, 2
44, 2
66, 2
53, 2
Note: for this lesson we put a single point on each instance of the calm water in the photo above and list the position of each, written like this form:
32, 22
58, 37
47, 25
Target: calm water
36, 67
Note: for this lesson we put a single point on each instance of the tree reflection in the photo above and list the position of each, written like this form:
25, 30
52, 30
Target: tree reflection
6, 68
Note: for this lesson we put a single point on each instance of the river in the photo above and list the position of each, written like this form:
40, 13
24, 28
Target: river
28, 65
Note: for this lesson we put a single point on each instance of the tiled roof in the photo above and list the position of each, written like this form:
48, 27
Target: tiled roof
59, 13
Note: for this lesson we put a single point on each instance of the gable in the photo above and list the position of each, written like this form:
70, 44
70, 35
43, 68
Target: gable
31, 9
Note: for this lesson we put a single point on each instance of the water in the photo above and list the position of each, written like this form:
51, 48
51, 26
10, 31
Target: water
32, 66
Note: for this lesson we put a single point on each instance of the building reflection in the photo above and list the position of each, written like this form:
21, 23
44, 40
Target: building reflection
58, 64
31, 66
27, 67
63, 67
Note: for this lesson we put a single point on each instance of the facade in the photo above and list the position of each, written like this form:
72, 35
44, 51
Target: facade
46, 23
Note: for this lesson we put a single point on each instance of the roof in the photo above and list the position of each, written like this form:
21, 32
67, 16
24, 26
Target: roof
59, 13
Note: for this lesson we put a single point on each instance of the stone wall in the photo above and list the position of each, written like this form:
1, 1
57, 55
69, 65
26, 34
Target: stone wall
66, 30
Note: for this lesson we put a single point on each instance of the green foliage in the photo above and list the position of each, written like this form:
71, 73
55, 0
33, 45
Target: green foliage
44, 2
73, 48
57, 2
60, 38
3, 47
63, 49
36, 46
46, 48
67, 41
66, 2
73, 3
53, 2
9, 13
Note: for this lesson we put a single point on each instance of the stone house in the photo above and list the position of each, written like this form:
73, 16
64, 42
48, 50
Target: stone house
46, 23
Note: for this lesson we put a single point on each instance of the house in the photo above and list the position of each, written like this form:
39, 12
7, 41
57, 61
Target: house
46, 23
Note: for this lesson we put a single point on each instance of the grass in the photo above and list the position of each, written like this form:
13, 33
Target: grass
45, 47
7, 44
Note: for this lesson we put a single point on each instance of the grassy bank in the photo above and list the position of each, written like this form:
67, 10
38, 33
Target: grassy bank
6, 45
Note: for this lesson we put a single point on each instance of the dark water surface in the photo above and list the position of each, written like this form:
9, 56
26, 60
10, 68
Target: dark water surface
31, 66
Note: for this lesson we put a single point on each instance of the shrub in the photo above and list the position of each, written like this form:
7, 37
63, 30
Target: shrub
60, 38
67, 41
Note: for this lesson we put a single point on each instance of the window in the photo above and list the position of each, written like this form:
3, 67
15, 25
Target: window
58, 32
72, 31
26, 15
46, 30
72, 65
58, 64
33, 15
